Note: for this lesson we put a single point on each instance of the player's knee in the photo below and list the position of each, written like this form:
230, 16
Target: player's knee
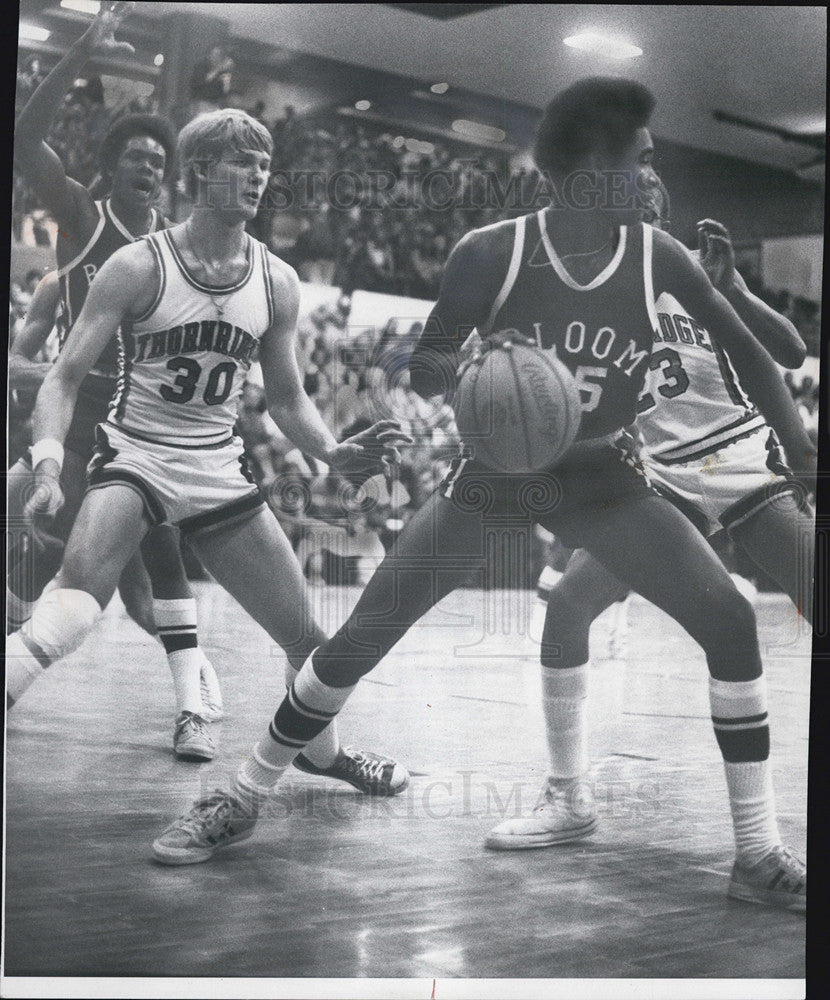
81, 571
62, 620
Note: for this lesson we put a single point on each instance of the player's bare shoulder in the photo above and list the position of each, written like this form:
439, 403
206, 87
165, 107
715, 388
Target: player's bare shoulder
132, 275
285, 288
479, 262
491, 242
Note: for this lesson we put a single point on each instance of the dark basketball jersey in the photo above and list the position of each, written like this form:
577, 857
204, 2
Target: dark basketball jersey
76, 275
601, 331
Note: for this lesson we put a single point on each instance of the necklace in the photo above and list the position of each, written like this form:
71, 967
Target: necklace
587, 253
211, 271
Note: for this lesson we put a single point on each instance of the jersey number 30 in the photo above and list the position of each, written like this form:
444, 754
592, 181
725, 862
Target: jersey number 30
677, 381
217, 388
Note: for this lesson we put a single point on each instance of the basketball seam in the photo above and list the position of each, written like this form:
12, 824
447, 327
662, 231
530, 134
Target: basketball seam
529, 463
553, 370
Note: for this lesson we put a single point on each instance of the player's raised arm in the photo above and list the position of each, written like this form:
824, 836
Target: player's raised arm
473, 275
675, 271
289, 405
774, 331
38, 163
40, 319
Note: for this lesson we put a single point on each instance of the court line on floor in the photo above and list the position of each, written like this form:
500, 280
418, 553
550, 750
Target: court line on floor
666, 715
491, 701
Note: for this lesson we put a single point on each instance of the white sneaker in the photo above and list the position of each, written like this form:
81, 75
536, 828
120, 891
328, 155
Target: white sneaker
778, 879
191, 739
212, 707
568, 812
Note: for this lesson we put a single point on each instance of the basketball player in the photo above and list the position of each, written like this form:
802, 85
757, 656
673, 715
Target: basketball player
580, 276
136, 155
191, 305
26, 374
709, 451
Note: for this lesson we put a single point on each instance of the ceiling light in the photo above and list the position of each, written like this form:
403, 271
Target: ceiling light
158, 60
363, 105
613, 48
420, 146
33, 34
84, 6
475, 130
440, 88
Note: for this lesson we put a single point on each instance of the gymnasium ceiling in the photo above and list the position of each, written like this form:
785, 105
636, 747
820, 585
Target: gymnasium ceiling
763, 63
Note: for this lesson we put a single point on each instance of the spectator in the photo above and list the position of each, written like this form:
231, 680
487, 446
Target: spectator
210, 83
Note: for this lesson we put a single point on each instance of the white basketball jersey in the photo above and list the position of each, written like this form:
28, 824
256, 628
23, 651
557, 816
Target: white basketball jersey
184, 360
692, 403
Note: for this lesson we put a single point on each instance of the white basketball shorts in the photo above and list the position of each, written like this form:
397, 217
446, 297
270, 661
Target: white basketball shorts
728, 486
197, 489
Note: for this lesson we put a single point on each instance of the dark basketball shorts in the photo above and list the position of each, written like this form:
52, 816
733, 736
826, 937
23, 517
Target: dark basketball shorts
91, 409
589, 484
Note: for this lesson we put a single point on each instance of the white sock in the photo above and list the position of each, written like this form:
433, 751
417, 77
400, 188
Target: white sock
322, 751
61, 621
255, 779
261, 770
22, 668
186, 667
18, 611
564, 700
176, 623
739, 715
752, 801
209, 681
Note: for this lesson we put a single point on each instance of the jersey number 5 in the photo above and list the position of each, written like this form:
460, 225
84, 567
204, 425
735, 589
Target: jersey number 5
188, 378
677, 381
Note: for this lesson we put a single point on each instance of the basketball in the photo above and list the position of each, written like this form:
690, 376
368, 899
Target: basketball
518, 408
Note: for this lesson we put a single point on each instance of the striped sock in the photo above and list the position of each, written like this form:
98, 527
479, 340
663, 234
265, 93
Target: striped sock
739, 715
176, 623
308, 707
564, 699
322, 751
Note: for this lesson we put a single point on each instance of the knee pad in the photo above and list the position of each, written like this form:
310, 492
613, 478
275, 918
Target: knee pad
61, 621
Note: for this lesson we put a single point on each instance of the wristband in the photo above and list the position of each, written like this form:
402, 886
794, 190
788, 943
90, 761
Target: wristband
47, 448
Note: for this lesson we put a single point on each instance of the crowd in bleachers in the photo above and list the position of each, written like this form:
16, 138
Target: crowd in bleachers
373, 209
351, 238
353, 382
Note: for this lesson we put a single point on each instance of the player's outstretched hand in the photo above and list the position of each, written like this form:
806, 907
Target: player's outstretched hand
100, 36
503, 339
45, 496
716, 253
371, 451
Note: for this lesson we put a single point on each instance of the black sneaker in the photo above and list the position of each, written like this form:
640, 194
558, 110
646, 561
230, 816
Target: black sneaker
370, 773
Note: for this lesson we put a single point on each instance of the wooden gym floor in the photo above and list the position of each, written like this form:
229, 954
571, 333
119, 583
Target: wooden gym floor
337, 885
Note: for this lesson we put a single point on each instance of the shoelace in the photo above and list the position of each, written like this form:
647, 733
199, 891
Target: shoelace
368, 768
191, 722
793, 877
206, 811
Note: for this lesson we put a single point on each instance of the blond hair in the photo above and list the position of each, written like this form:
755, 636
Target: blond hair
204, 139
